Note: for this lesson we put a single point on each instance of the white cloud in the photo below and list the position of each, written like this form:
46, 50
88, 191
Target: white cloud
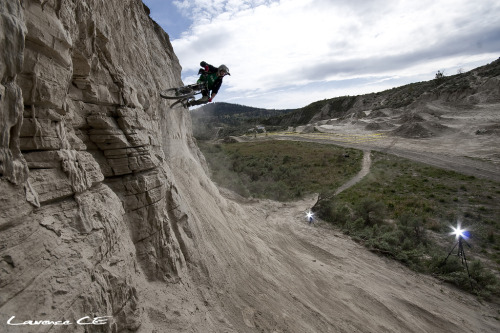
279, 45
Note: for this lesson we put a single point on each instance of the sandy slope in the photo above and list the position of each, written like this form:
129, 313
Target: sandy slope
261, 268
327, 283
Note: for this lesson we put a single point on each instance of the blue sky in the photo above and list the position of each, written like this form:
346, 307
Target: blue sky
289, 53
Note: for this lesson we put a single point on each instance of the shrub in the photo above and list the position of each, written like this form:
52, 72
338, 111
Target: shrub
487, 282
354, 225
370, 211
483, 281
413, 229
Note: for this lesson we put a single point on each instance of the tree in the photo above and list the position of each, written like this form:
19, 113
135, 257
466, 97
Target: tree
439, 75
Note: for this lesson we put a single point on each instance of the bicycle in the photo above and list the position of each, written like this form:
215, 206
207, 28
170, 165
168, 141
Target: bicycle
184, 94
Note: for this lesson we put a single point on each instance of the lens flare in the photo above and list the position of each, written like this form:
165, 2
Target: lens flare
459, 232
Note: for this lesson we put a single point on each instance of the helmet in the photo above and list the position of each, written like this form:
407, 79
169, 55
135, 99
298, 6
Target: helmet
223, 68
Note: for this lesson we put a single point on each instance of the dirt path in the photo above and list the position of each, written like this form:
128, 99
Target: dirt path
365, 168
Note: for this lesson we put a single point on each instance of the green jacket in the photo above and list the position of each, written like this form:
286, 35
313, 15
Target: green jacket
210, 79
213, 81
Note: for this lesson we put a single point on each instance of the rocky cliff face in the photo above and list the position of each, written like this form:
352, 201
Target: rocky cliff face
89, 206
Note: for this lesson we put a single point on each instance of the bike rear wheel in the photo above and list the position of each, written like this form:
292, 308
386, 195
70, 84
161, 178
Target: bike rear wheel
177, 93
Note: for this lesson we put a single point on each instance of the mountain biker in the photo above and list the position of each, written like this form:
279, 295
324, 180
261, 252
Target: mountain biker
213, 77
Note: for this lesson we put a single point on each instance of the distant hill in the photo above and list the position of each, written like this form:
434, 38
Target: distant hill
466, 88
479, 85
231, 119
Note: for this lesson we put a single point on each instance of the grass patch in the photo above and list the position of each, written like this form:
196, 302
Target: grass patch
401, 209
280, 170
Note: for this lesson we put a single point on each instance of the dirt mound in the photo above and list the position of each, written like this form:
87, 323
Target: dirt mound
421, 129
410, 117
412, 130
353, 116
305, 129
377, 114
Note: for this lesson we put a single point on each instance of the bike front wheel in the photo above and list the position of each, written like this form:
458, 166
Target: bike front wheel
177, 93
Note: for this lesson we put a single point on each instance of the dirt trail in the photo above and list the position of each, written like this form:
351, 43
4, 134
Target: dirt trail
365, 168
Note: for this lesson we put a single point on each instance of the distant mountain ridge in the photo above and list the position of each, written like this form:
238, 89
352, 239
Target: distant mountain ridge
224, 109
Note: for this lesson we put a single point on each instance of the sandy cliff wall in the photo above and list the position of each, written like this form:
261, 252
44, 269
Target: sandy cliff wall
89, 207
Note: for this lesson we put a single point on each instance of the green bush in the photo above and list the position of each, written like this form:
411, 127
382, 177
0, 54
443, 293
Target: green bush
413, 229
371, 211
454, 270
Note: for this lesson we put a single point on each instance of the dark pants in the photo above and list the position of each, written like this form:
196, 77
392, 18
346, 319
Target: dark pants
203, 100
